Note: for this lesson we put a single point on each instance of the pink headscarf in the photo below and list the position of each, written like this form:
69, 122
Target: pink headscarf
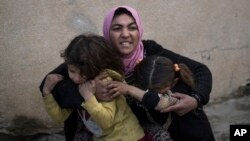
137, 55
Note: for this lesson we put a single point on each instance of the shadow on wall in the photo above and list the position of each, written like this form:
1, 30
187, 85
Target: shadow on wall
22, 125
23, 128
244, 90
37, 137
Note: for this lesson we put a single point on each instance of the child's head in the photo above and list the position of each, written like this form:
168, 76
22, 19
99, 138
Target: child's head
160, 74
88, 55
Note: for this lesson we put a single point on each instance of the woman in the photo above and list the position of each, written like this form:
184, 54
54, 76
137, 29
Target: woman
123, 30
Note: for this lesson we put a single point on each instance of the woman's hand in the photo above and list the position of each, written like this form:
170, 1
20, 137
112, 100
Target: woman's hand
87, 89
186, 104
50, 82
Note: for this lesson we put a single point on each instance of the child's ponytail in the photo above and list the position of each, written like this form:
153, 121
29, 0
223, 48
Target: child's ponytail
185, 74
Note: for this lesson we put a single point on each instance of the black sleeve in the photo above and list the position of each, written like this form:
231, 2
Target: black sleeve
202, 75
61, 69
66, 92
150, 99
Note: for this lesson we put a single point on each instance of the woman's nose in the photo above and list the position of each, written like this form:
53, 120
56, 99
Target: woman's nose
125, 32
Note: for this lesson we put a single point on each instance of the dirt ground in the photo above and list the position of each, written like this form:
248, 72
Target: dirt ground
228, 112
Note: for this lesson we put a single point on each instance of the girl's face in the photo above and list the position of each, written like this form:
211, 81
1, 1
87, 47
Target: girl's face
124, 35
164, 90
168, 86
74, 74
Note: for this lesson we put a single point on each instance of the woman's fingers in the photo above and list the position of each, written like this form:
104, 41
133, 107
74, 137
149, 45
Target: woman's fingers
175, 107
101, 76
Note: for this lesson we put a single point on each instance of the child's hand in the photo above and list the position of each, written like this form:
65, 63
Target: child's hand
50, 82
87, 89
116, 88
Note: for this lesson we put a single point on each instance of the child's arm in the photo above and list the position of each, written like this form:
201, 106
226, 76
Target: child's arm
102, 113
119, 88
57, 113
54, 110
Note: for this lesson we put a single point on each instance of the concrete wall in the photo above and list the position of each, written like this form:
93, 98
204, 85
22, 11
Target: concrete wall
33, 32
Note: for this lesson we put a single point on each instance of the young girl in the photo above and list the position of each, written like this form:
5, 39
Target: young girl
86, 57
160, 74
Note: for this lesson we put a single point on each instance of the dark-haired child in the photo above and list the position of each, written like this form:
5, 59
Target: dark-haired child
86, 57
158, 75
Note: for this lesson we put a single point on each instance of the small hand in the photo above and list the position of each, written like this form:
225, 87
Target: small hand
116, 88
87, 89
186, 104
50, 82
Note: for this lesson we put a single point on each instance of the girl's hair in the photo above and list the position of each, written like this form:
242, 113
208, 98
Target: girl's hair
92, 54
157, 72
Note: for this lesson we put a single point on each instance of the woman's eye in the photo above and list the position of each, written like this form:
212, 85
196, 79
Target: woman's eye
116, 28
132, 28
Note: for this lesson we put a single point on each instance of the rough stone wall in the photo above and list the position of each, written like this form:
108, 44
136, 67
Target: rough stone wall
33, 32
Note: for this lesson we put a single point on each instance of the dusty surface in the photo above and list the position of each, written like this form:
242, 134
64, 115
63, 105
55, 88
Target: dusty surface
226, 113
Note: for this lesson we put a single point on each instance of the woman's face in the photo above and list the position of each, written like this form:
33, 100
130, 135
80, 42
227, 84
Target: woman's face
124, 35
74, 74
